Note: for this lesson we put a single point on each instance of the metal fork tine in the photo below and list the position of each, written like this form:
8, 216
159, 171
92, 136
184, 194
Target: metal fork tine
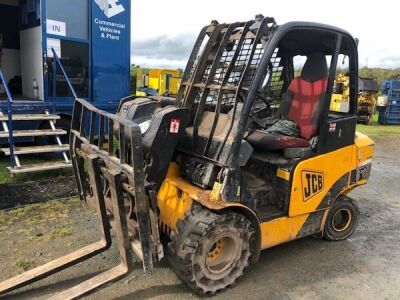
121, 229
77, 256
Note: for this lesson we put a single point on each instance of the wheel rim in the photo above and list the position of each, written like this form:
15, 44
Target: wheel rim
341, 220
221, 254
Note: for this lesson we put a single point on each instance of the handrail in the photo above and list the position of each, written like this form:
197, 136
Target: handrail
10, 120
55, 63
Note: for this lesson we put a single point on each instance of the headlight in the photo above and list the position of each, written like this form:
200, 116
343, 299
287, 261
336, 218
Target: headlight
364, 170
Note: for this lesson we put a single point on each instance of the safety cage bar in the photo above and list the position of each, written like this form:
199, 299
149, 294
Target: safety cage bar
222, 65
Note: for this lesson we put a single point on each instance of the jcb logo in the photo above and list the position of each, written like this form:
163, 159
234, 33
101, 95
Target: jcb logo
313, 183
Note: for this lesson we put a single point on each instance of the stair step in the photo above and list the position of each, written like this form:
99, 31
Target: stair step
40, 167
30, 117
36, 149
37, 132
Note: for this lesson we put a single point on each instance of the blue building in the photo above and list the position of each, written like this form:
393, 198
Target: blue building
92, 40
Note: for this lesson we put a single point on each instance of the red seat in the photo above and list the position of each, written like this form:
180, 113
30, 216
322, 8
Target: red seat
302, 103
305, 108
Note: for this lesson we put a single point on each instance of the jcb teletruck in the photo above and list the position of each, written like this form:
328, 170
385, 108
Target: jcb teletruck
247, 157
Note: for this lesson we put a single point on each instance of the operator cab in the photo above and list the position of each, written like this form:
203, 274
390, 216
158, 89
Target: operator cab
299, 114
290, 118
295, 115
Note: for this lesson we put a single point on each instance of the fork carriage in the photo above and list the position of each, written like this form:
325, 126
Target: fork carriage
115, 187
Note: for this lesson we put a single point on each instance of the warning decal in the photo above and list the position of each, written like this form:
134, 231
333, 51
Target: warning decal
174, 128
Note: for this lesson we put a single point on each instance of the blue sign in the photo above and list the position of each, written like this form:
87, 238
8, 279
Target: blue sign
110, 49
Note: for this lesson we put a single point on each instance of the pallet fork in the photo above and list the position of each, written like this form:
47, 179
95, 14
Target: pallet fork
113, 182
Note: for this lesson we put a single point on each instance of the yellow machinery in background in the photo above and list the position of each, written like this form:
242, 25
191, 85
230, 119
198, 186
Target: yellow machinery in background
157, 82
341, 94
367, 97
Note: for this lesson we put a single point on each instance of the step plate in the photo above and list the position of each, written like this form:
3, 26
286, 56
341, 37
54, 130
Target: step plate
36, 149
30, 117
29, 133
39, 167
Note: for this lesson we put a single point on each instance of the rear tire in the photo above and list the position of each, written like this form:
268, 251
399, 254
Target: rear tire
209, 251
342, 219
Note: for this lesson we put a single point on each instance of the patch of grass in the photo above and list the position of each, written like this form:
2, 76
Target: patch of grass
56, 233
4, 176
36, 237
27, 160
22, 264
38, 213
377, 129
43, 221
63, 232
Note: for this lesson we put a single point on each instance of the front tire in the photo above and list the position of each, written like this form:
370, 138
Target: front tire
209, 251
342, 219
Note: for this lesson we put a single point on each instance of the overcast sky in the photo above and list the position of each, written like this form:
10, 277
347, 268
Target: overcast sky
163, 31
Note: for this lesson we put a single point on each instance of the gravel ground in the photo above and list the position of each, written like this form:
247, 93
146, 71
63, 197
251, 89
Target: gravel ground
366, 266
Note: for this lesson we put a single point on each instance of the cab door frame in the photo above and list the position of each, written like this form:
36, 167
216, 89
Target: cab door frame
326, 174
338, 129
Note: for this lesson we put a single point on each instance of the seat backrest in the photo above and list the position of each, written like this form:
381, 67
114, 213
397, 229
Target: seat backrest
303, 101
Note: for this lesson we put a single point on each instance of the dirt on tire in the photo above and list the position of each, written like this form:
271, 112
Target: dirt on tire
191, 243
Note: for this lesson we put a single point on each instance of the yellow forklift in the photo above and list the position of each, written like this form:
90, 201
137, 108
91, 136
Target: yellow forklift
247, 157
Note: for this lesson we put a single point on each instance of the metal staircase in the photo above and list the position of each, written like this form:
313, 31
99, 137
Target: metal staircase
19, 168
7, 122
